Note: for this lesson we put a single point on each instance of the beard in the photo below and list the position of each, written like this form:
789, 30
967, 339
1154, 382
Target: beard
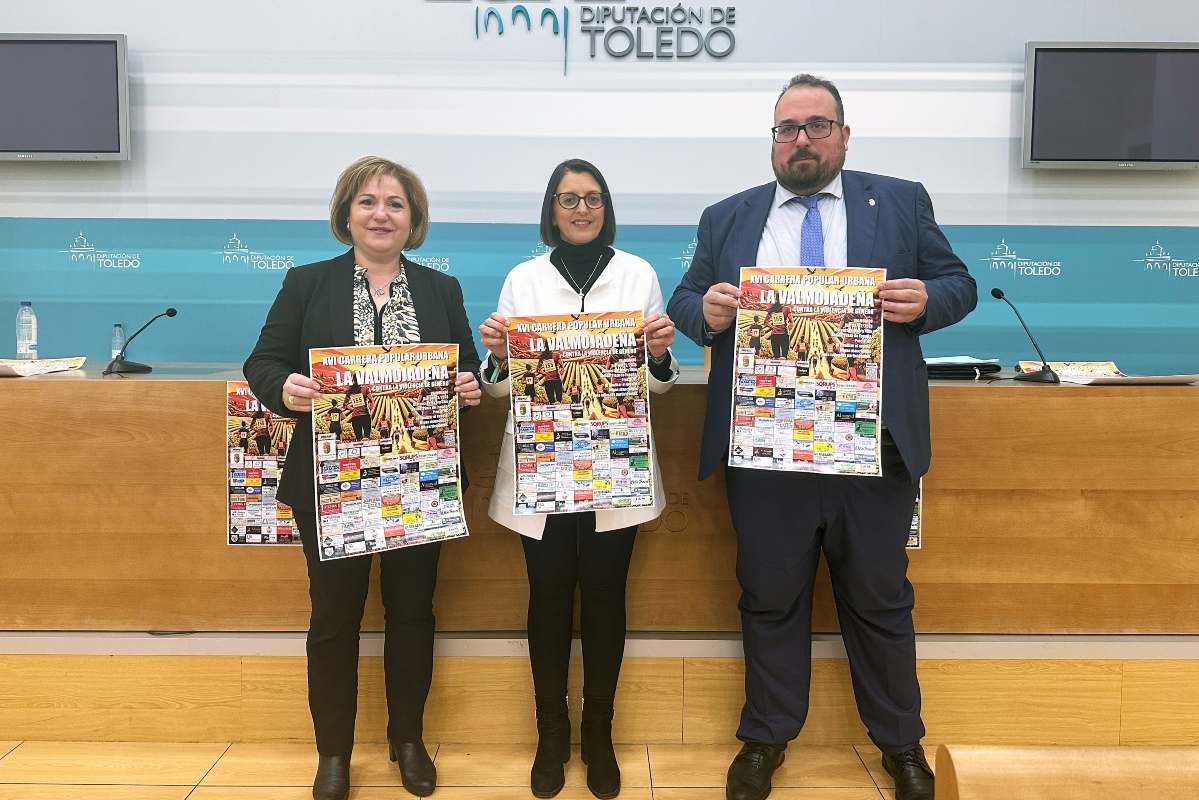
806, 172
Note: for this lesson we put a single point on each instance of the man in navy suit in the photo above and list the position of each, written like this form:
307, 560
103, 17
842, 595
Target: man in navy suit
816, 214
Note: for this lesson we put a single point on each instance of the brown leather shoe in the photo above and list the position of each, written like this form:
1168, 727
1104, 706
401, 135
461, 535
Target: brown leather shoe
750, 773
912, 774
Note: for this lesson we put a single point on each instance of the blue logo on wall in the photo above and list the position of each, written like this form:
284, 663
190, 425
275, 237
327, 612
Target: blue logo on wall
1003, 257
559, 26
439, 263
236, 252
688, 255
82, 250
660, 33
1157, 259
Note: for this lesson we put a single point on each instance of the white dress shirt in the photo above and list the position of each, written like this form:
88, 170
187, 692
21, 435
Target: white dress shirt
779, 246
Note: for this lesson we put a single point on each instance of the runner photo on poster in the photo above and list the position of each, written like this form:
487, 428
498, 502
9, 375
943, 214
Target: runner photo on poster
580, 412
256, 442
385, 440
807, 371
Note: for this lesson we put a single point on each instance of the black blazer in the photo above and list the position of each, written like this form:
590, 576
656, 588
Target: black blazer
315, 308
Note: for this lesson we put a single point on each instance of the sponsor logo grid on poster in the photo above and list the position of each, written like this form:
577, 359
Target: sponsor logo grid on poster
807, 372
385, 433
257, 442
580, 411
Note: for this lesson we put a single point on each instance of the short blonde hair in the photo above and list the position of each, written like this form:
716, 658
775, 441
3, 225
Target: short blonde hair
355, 176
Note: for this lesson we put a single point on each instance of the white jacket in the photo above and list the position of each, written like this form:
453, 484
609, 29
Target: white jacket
536, 288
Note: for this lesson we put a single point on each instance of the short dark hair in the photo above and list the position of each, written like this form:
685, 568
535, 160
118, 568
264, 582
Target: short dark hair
811, 81
549, 232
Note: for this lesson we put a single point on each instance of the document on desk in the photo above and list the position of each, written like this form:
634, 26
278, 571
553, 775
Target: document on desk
580, 413
385, 439
256, 443
807, 371
1103, 373
28, 367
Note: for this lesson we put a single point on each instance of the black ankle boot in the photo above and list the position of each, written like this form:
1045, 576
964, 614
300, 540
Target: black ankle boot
603, 773
548, 777
417, 772
332, 780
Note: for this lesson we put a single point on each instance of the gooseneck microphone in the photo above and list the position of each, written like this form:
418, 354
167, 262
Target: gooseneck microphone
1045, 374
120, 366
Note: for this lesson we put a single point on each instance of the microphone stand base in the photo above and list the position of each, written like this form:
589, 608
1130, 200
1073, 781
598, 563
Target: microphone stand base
1043, 375
120, 366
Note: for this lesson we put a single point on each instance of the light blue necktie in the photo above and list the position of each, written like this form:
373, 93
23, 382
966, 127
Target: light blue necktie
811, 237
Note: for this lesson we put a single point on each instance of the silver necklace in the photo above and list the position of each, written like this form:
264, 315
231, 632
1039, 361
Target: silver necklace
571, 281
385, 289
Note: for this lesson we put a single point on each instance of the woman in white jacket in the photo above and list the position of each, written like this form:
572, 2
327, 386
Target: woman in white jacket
590, 550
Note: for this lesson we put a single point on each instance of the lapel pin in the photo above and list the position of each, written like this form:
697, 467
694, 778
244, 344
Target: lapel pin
870, 202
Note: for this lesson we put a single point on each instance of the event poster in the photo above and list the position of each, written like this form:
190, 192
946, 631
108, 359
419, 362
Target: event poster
916, 531
807, 371
256, 441
385, 438
580, 412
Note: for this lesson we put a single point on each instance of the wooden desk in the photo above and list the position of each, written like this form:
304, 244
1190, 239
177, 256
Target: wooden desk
1048, 510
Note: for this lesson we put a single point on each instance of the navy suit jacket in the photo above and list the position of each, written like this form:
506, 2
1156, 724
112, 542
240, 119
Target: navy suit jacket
890, 224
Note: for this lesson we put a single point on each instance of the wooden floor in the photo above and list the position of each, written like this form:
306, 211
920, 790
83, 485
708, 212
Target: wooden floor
39, 770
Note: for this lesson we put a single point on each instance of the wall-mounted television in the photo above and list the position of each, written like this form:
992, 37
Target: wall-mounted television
1111, 105
63, 97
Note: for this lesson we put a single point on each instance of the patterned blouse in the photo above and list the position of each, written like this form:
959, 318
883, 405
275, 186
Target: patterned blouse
395, 323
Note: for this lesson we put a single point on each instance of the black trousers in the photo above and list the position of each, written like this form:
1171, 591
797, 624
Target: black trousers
362, 426
783, 522
572, 553
337, 589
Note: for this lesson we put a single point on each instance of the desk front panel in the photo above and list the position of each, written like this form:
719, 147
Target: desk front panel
1048, 510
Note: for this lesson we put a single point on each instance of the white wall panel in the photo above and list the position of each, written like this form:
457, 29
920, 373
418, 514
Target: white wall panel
251, 110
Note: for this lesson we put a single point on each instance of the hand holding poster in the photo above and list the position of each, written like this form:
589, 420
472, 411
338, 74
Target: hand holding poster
385, 433
580, 411
807, 371
256, 441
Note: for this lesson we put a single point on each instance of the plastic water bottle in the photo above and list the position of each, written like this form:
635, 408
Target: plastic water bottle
26, 331
118, 339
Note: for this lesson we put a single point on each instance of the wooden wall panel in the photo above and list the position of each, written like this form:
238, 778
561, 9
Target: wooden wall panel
1021, 702
489, 699
1161, 703
122, 698
984, 702
1048, 510
714, 691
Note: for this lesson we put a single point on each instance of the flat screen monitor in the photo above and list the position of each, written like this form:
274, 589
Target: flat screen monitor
1111, 105
63, 97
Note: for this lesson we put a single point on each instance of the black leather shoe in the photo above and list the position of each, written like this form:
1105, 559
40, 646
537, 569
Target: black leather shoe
417, 772
913, 777
332, 780
596, 750
547, 777
751, 771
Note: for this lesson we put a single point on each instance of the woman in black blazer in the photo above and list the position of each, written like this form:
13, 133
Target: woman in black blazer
368, 295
